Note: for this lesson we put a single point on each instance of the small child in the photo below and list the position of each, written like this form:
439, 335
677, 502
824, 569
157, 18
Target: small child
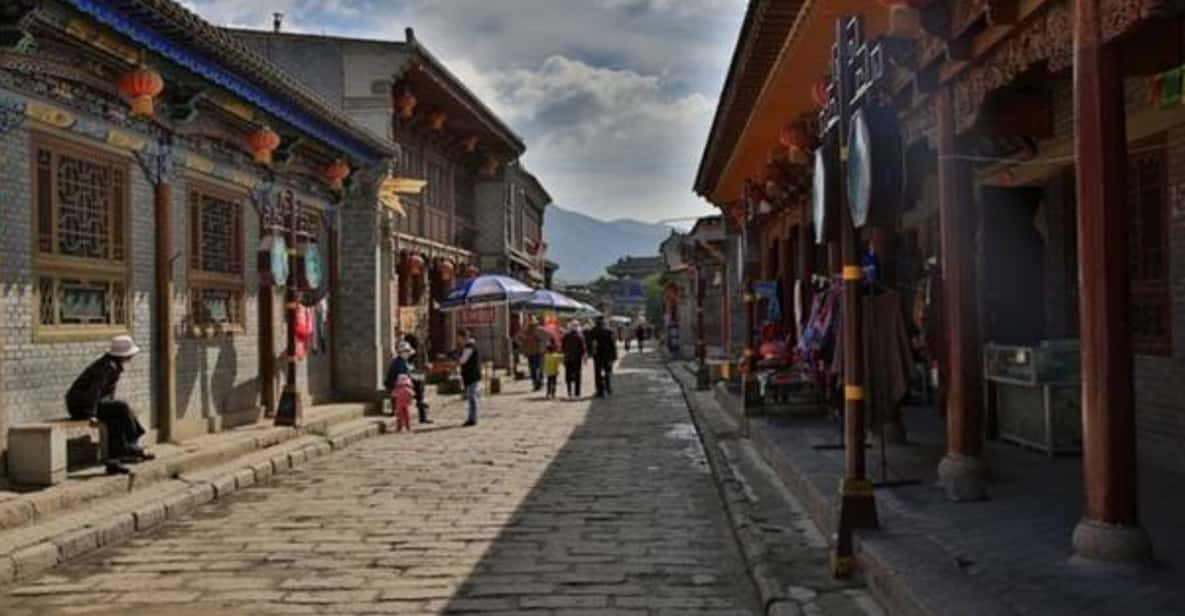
401, 399
551, 367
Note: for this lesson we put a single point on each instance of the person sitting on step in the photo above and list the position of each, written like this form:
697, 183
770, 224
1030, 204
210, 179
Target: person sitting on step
92, 397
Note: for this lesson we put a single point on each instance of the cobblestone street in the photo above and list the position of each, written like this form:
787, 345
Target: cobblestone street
546, 507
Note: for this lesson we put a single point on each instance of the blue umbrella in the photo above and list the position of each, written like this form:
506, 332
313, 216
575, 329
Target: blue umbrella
544, 299
486, 290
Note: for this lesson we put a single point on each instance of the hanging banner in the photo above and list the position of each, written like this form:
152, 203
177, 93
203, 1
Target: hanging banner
479, 316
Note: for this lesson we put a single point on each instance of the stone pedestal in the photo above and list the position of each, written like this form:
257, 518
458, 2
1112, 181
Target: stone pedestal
1110, 543
963, 477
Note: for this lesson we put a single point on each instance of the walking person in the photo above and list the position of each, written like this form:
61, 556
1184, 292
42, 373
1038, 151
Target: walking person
470, 362
640, 333
551, 367
604, 351
532, 345
92, 397
415, 370
401, 400
574, 354
400, 366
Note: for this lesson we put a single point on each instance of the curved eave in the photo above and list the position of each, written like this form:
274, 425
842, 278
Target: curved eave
785, 93
177, 35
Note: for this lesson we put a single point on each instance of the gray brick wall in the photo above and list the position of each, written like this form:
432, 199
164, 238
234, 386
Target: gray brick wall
359, 341
37, 374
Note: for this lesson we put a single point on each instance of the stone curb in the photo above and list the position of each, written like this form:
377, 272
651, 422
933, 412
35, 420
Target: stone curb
737, 507
114, 522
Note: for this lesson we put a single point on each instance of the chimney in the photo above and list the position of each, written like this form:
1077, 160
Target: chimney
277, 20
410, 35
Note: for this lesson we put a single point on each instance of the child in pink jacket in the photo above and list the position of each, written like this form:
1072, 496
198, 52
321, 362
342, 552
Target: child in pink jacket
402, 398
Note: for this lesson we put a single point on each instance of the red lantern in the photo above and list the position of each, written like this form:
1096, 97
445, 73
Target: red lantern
819, 93
335, 172
470, 143
794, 136
445, 270
263, 142
406, 104
141, 85
437, 119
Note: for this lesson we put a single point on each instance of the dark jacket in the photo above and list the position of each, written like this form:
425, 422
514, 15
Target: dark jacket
397, 367
471, 369
95, 383
603, 344
573, 345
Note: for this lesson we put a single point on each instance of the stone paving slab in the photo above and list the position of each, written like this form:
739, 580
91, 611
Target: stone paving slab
546, 507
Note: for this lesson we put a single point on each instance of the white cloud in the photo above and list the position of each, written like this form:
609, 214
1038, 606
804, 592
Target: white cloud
613, 97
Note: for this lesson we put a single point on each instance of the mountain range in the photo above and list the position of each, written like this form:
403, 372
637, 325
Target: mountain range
584, 246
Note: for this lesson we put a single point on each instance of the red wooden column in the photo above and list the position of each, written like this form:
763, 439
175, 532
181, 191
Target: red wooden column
1110, 528
962, 470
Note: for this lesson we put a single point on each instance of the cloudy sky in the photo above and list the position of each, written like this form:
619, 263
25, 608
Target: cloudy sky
613, 97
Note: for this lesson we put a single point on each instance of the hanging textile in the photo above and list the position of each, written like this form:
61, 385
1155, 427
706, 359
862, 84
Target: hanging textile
887, 359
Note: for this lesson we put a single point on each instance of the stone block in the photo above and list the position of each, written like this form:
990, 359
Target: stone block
7, 570
202, 493
76, 543
35, 559
149, 515
116, 529
244, 478
178, 503
36, 455
262, 470
281, 463
223, 485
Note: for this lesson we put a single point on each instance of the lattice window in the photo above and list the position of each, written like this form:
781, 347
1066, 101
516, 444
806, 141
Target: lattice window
1148, 255
216, 285
80, 219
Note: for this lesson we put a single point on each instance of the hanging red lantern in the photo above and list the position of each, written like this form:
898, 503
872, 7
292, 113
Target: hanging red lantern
445, 270
819, 93
141, 85
470, 143
406, 104
437, 119
794, 136
335, 172
263, 141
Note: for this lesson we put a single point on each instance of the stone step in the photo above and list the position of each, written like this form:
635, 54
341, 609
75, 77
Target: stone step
90, 486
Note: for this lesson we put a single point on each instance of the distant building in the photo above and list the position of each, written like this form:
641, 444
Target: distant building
635, 267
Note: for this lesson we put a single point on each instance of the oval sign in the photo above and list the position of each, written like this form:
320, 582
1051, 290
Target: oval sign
314, 273
819, 196
278, 253
859, 169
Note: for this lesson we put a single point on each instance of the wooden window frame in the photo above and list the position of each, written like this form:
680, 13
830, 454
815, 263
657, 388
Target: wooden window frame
1149, 294
56, 268
202, 280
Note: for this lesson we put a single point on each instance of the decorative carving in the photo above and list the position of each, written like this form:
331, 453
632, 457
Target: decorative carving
1047, 37
158, 163
16, 16
12, 113
124, 140
198, 163
54, 116
920, 122
1119, 16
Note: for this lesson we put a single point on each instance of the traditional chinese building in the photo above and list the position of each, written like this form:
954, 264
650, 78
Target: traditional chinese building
1040, 151
479, 210
145, 158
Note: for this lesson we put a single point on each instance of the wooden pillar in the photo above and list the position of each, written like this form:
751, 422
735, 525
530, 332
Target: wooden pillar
267, 340
334, 298
1110, 527
162, 201
291, 408
962, 471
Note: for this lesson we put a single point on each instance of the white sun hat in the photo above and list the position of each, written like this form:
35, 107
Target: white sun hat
405, 349
123, 347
